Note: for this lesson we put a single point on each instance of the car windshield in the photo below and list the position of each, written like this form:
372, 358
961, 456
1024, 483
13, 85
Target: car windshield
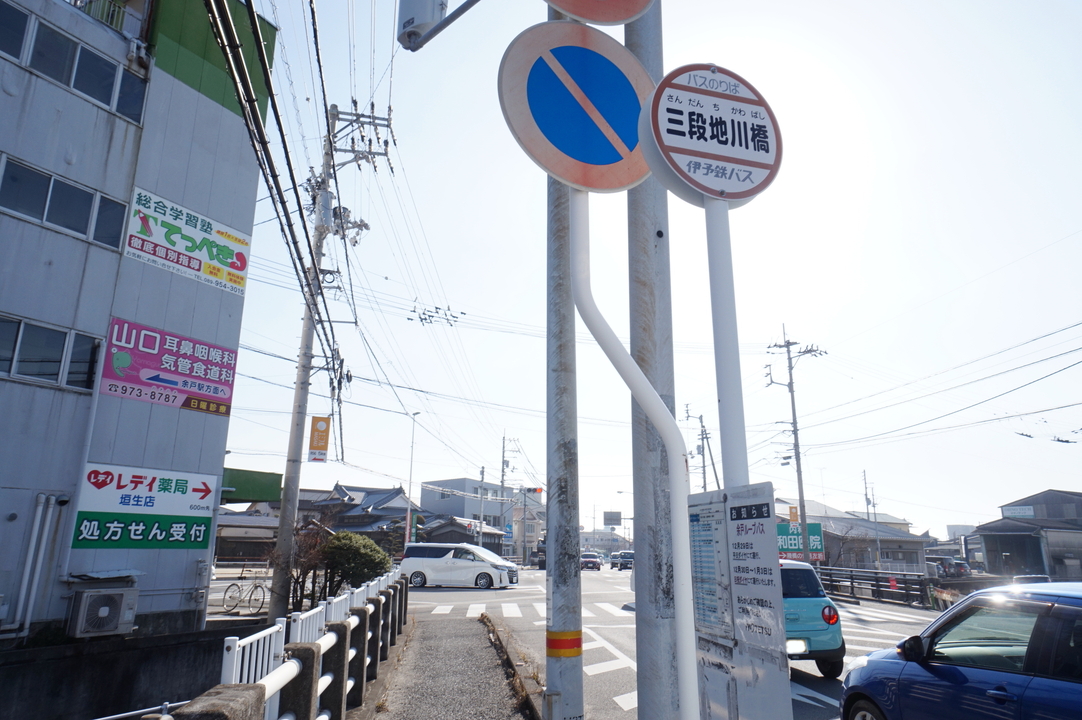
800, 583
488, 555
589, 556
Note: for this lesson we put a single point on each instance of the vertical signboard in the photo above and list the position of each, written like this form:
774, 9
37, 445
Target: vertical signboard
172, 237
319, 439
791, 542
150, 365
739, 621
144, 509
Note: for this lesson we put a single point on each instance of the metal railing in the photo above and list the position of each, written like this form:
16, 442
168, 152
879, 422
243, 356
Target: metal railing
900, 587
265, 657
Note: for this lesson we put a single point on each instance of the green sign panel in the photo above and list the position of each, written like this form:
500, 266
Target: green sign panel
791, 542
97, 530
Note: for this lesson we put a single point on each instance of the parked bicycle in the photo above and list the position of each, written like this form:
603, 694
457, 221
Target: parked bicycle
254, 595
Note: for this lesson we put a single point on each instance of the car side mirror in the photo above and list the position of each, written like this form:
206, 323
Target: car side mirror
912, 649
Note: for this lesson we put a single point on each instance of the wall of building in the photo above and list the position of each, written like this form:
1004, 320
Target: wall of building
190, 150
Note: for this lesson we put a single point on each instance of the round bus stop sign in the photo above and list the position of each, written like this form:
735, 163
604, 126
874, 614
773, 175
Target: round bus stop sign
707, 131
572, 97
602, 12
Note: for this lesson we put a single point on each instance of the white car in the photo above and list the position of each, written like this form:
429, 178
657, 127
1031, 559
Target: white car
456, 564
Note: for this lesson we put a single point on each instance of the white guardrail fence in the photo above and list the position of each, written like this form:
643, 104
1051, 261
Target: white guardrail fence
311, 665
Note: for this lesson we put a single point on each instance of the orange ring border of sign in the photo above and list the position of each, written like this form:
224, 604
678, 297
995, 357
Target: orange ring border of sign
602, 12
563, 644
667, 82
515, 67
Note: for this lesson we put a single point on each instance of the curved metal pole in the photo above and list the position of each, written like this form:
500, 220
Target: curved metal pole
655, 409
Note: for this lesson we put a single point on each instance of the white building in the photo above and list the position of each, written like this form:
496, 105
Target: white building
127, 196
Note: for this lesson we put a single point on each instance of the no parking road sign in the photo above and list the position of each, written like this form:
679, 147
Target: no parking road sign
712, 133
572, 96
602, 12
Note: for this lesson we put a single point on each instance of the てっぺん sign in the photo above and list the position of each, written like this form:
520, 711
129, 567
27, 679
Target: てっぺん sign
712, 134
154, 366
138, 508
602, 12
171, 237
572, 96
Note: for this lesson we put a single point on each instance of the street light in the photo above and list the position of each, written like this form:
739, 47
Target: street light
409, 491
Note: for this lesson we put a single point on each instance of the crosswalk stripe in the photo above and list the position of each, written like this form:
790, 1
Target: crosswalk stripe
628, 701
613, 610
540, 608
442, 609
605, 666
872, 631
863, 647
876, 614
475, 610
511, 610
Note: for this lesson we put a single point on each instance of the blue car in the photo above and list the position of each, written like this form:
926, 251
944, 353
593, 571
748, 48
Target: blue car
1012, 652
813, 630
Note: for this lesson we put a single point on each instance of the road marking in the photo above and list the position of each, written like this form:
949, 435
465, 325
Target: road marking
873, 631
864, 647
613, 610
592, 645
511, 610
862, 638
475, 610
629, 701
442, 609
876, 614
605, 666
610, 647
587, 613
803, 694
540, 608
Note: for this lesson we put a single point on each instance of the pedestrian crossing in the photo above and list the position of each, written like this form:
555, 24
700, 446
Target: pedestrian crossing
514, 610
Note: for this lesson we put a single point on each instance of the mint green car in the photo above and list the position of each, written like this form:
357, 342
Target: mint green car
813, 629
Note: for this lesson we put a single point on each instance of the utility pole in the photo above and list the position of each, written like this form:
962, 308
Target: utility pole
503, 485
327, 219
650, 310
481, 522
814, 352
875, 513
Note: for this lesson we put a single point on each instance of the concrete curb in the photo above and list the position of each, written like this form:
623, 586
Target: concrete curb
528, 691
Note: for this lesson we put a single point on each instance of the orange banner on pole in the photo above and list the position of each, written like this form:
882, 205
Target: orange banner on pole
319, 439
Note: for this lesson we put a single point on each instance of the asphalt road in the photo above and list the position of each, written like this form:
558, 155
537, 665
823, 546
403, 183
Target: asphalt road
609, 637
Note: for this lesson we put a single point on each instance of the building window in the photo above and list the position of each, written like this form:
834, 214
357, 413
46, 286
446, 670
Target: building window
12, 29
531, 528
444, 495
45, 354
64, 60
51, 200
95, 76
53, 54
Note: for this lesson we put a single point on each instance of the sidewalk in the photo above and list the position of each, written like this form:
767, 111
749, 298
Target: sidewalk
446, 669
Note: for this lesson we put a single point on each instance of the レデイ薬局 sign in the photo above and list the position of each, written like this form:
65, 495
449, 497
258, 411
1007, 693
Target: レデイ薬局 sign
138, 508
174, 238
791, 542
154, 366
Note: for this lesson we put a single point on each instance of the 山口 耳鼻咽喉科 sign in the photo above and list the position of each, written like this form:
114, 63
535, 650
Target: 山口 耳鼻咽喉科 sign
707, 131
571, 96
602, 12
163, 368
144, 509
172, 237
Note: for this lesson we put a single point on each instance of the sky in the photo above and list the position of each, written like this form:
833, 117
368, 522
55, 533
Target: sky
924, 231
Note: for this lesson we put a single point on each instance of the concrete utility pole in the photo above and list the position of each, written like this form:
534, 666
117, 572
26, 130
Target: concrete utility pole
327, 220
282, 579
814, 352
650, 301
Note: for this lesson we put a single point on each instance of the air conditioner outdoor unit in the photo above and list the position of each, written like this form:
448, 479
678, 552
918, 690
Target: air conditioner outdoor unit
109, 611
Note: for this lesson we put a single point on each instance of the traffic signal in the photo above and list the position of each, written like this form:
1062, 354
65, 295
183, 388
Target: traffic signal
533, 490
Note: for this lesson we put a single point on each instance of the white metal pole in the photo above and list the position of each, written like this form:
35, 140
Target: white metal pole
659, 415
734, 445
409, 486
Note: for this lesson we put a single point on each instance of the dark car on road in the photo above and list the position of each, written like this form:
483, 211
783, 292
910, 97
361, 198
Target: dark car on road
1005, 652
627, 560
590, 561
614, 560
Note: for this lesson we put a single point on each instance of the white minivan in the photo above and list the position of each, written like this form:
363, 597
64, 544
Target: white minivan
456, 564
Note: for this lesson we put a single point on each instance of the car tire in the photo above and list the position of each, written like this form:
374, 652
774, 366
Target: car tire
830, 669
865, 710
418, 579
484, 581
